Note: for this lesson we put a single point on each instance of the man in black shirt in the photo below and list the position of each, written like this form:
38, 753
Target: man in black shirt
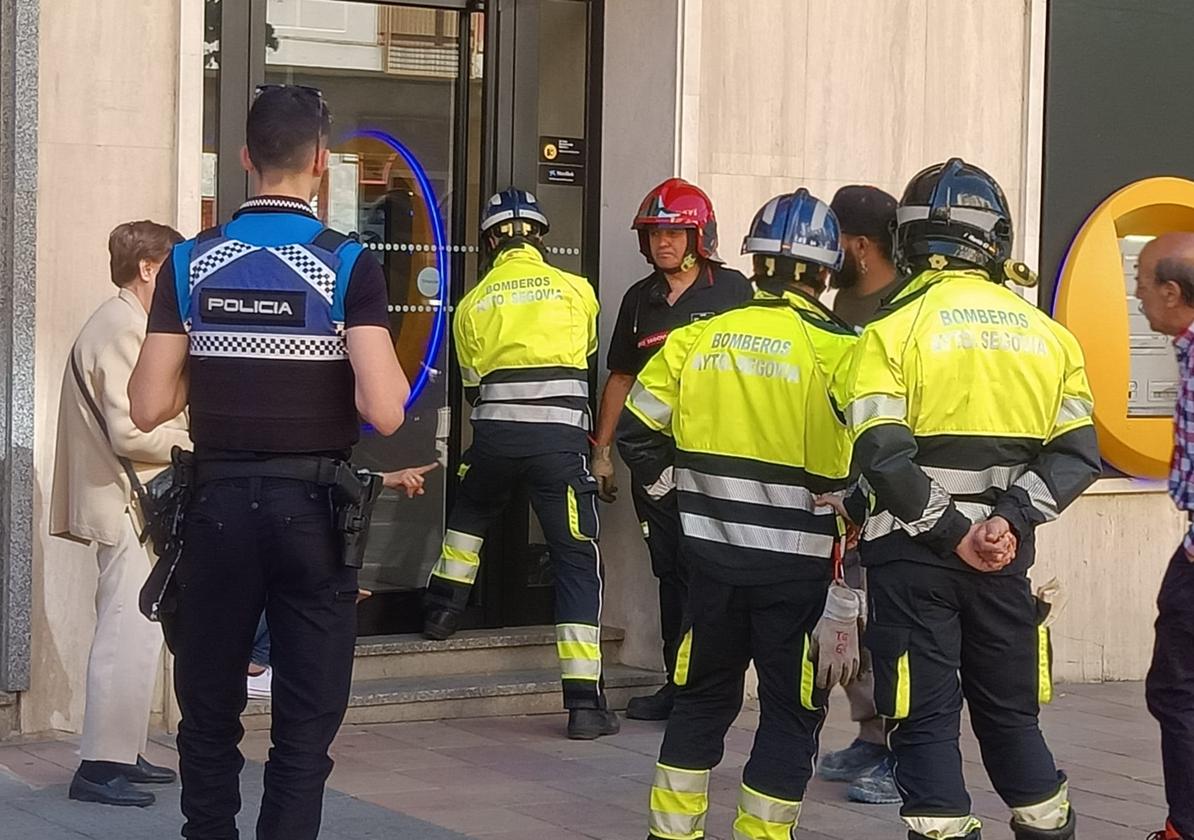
866, 215
868, 273
677, 233
273, 329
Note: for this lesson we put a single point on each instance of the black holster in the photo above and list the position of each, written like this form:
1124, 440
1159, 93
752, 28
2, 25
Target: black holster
354, 492
158, 597
354, 496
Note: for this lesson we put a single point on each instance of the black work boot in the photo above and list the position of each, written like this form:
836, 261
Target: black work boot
1066, 832
587, 724
657, 706
440, 623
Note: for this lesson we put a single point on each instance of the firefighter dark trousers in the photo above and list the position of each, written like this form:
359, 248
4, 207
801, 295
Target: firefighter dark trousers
250, 544
660, 522
928, 625
1170, 689
731, 626
563, 494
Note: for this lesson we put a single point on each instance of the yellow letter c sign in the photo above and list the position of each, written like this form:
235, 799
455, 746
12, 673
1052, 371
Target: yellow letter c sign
1091, 302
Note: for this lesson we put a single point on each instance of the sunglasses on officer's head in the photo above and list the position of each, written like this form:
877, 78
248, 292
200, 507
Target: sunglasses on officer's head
320, 105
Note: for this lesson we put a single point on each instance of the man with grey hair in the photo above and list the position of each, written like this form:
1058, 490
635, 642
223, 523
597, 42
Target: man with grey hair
1165, 289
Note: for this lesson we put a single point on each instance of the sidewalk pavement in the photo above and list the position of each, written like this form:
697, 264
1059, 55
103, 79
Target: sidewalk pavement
517, 778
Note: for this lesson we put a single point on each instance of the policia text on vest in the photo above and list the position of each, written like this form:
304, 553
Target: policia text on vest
271, 314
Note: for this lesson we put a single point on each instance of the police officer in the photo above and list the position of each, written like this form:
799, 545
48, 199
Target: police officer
274, 330
971, 418
745, 397
677, 234
524, 336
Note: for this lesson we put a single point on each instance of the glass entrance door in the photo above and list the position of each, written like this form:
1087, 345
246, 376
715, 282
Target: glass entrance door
436, 104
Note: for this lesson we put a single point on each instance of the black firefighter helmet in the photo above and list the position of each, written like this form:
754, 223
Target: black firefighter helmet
953, 214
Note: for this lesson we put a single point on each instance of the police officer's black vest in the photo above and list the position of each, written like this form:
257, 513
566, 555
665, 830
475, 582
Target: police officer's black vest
262, 299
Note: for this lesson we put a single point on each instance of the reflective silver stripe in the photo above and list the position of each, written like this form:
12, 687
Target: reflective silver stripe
756, 536
463, 541
681, 781
515, 413
533, 390
878, 525
866, 409
457, 570
768, 808
974, 511
789, 496
650, 405
1049, 815
587, 633
982, 219
971, 482
1073, 409
943, 828
580, 669
682, 826
812, 253
1039, 494
935, 506
470, 376
883, 523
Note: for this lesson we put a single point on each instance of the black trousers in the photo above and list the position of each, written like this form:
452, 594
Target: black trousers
732, 625
660, 522
251, 544
563, 494
928, 625
1170, 689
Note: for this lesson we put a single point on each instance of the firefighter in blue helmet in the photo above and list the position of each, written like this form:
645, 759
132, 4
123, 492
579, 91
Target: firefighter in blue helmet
524, 338
744, 396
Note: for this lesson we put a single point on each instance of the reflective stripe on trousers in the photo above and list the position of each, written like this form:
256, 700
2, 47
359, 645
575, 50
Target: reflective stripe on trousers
942, 828
763, 817
460, 558
1049, 815
679, 802
579, 649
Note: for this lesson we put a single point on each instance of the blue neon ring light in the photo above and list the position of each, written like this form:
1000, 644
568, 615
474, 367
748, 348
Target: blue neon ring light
439, 325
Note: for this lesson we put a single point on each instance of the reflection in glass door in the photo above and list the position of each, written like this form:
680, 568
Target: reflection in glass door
404, 85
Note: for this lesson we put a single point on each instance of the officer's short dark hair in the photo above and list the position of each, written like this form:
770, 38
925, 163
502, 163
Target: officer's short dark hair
132, 242
1178, 271
283, 126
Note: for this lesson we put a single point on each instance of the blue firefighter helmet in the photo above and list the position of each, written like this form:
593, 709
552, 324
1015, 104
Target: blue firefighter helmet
513, 213
799, 227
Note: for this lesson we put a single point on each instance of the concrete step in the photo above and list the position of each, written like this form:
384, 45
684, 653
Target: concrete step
449, 696
468, 652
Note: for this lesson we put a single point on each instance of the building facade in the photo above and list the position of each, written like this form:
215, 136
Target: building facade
110, 113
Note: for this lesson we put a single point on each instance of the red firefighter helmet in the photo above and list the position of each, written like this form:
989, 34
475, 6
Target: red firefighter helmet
678, 204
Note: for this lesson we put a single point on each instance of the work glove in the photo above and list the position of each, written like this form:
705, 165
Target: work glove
603, 471
1051, 599
835, 638
663, 485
